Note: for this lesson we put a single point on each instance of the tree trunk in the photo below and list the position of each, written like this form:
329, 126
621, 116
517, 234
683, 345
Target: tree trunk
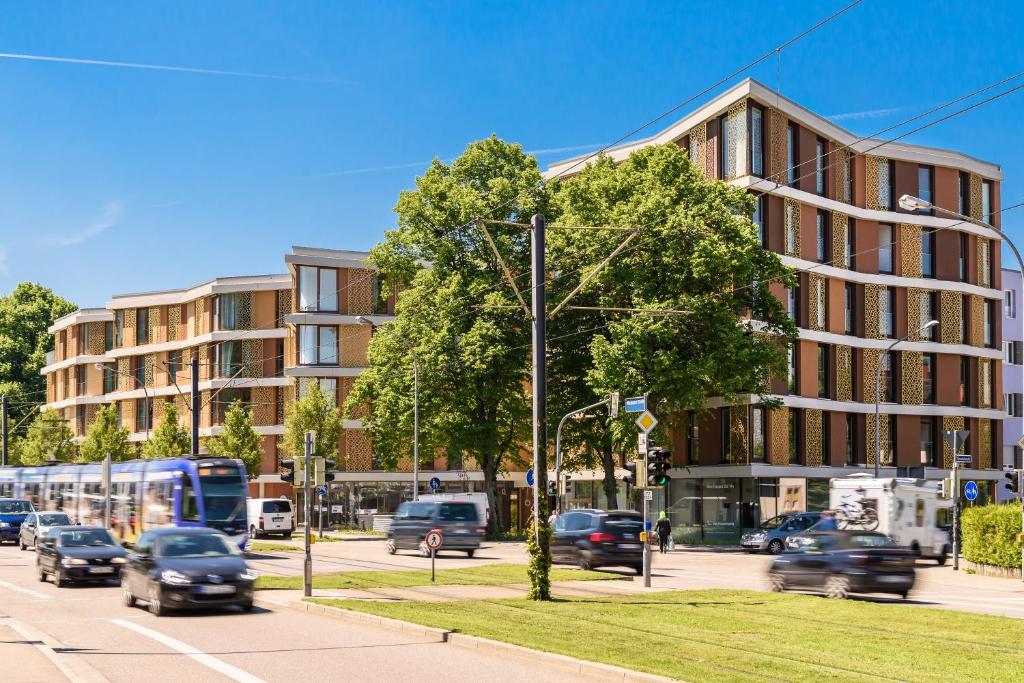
610, 485
490, 487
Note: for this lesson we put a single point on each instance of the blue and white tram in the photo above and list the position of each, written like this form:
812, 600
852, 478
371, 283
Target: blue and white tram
145, 494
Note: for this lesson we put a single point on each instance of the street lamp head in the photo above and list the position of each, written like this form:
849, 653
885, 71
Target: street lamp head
930, 323
366, 321
100, 366
911, 203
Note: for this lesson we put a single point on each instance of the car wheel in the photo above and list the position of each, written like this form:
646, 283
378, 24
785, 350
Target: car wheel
252, 532
941, 559
837, 587
42, 575
126, 596
21, 544
777, 582
469, 553
246, 606
288, 534
639, 570
775, 546
585, 562
915, 549
390, 547
59, 580
156, 608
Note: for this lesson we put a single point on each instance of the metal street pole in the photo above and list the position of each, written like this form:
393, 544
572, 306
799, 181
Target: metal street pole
196, 406
106, 490
415, 426
540, 435
307, 565
647, 534
3, 430
558, 445
956, 507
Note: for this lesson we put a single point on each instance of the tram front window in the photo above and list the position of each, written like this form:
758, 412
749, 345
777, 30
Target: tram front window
223, 498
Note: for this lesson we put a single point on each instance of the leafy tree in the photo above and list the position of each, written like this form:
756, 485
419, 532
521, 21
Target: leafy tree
25, 315
105, 436
170, 439
698, 258
317, 412
49, 437
459, 317
239, 439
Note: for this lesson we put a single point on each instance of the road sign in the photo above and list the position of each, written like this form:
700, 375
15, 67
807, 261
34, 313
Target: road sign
321, 490
434, 539
646, 422
613, 404
970, 490
641, 443
963, 458
529, 477
648, 494
435, 483
1021, 442
637, 404
956, 438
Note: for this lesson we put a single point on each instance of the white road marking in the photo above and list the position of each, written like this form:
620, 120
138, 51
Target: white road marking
73, 668
191, 652
26, 591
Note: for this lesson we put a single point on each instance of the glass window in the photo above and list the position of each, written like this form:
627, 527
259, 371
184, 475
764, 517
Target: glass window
928, 252
986, 382
794, 436
226, 311
988, 313
848, 307
928, 307
724, 147
225, 397
142, 326
822, 238
758, 441
119, 328
822, 371
884, 248
328, 386
726, 435
1009, 304
756, 141
83, 339
758, 220
173, 365
851, 252
822, 302
887, 384
965, 317
963, 193
963, 257
328, 353
144, 415
108, 336
924, 184
986, 201
328, 297
851, 432
228, 358
791, 154
819, 167
692, 438
308, 341
928, 377
792, 369
307, 288
318, 345
318, 289
887, 312
109, 380
965, 381
382, 292
791, 299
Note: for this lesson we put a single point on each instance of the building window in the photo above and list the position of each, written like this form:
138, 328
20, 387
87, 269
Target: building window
884, 248
986, 201
851, 252
223, 400
887, 382
726, 434
119, 328
792, 229
924, 185
81, 380
963, 193
848, 307
1009, 303
795, 424
1012, 352
819, 166
174, 365
758, 220
851, 432
965, 381
791, 154
887, 312
227, 313
756, 140
822, 371
141, 326
109, 380
928, 377
228, 358
821, 302
985, 276
965, 320
928, 252
318, 289
318, 345
1013, 405
692, 438
962, 263
328, 386
138, 367
382, 292
986, 382
83, 339
791, 378
885, 181
928, 305
791, 303
108, 336
929, 449
724, 147
758, 440
989, 313
144, 416
822, 238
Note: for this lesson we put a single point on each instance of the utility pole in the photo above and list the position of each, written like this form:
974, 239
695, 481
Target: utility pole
540, 434
3, 430
307, 566
106, 490
196, 406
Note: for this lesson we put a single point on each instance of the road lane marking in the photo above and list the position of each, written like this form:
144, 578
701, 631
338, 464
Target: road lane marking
193, 653
26, 591
74, 668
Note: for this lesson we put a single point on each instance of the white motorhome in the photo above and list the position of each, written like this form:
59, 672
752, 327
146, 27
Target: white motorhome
911, 511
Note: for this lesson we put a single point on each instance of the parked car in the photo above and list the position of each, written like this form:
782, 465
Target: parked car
37, 524
598, 538
460, 525
839, 563
13, 512
79, 553
187, 567
771, 534
270, 516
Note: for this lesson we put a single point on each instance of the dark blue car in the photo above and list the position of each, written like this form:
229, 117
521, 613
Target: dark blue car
12, 513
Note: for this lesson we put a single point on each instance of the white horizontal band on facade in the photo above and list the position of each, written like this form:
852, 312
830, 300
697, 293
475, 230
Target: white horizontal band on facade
84, 359
882, 344
82, 315
325, 371
769, 471
318, 318
226, 285
920, 409
170, 390
204, 432
208, 338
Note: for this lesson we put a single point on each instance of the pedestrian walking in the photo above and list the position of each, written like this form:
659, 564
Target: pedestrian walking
664, 529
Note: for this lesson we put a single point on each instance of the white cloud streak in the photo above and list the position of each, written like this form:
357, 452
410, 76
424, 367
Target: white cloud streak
4, 269
164, 67
110, 217
869, 114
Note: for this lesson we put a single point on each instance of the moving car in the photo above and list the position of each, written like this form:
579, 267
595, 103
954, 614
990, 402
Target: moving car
187, 567
598, 538
13, 512
37, 524
839, 563
79, 553
460, 525
270, 516
771, 534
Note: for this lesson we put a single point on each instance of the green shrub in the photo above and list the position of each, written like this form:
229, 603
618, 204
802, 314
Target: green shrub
989, 534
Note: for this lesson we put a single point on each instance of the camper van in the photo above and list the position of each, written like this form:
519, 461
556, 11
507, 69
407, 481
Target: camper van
910, 511
270, 516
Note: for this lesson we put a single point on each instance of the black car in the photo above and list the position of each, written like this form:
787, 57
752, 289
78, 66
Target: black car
188, 567
838, 563
598, 538
79, 553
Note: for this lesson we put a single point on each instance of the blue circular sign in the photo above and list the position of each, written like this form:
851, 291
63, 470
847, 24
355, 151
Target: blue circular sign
322, 489
435, 483
970, 490
529, 477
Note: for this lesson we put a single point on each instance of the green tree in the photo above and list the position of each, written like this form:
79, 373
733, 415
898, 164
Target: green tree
697, 257
105, 436
25, 315
316, 412
239, 439
170, 439
48, 437
459, 317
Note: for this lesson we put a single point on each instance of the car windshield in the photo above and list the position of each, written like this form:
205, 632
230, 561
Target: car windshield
14, 507
623, 523
192, 545
773, 523
53, 519
872, 541
277, 506
415, 511
458, 512
86, 537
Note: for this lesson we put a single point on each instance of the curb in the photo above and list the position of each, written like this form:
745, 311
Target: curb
593, 670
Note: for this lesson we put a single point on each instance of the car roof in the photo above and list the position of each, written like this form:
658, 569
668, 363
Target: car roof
164, 531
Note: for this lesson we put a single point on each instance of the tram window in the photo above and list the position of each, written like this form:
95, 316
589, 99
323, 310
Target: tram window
90, 506
189, 507
156, 504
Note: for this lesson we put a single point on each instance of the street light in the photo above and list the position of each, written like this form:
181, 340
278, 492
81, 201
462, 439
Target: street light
878, 388
580, 413
106, 368
415, 409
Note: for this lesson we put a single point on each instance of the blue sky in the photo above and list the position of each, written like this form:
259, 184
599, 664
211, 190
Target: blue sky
118, 179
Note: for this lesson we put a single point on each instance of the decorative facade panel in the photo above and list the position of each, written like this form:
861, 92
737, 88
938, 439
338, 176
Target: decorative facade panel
777, 123
985, 444
792, 227
914, 312
149, 369
97, 333
910, 250
173, 322
950, 317
199, 321
869, 440
358, 451
985, 382
871, 189
844, 373
284, 304
698, 144
736, 131
977, 320
984, 267
738, 435
975, 197
949, 423
873, 297
244, 313
252, 358
354, 341
817, 302
130, 322
264, 407
840, 239
911, 380
778, 446
842, 174
155, 329
813, 439
124, 374
869, 370
360, 291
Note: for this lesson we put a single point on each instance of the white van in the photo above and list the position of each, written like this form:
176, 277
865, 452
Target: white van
910, 511
270, 516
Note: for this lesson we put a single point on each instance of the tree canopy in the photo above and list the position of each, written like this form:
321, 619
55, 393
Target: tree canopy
105, 436
239, 439
169, 439
48, 437
317, 412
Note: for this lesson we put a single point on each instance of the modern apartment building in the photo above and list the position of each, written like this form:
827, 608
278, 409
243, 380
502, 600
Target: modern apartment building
1013, 375
870, 273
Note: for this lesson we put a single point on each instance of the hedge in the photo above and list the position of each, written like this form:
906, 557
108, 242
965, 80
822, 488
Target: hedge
989, 535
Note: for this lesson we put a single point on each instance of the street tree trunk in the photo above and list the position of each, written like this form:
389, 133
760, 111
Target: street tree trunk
608, 464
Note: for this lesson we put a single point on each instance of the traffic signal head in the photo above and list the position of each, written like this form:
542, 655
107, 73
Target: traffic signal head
552, 488
293, 473
945, 488
659, 462
1013, 482
630, 477
329, 466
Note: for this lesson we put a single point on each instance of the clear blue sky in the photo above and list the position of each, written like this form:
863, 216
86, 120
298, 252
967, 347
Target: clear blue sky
117, 179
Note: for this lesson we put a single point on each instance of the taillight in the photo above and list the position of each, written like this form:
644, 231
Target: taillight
601, 537
261, 521
481, 529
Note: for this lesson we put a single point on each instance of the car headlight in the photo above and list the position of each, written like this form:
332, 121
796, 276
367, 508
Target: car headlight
117, 560
248, 575
73, 562
4, 524
171, 576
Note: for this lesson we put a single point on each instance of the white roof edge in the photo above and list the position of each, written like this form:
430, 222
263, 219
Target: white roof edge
82, 315
751, 88
222, 285
330, 258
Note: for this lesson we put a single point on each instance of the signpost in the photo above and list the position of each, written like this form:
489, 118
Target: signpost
956, 438
641, 443
434, 539
645, 422
435, 483
637, 404
970, 491
529, 477
309, 446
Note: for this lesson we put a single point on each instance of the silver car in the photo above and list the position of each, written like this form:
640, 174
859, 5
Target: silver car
37, 524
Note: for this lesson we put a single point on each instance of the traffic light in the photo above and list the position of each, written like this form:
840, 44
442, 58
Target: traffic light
552, 488
946, 488
630, 478
329, 466
322, 471
659, 462
293, 473
1013, 485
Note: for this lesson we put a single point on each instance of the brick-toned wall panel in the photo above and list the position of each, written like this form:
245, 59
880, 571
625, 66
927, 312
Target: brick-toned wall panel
776, 145
358, 451
205, 415
949, 423
840, 228
949, 317
975, 197
869, 438
173, 322
812, 437
97, 333
912, 388
844, 373
910, 250
354, 341
264, 409
778, 428
872, 320
984, 459
360, 291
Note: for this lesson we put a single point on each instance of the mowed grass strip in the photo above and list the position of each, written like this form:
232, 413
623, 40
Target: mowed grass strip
722, 635
262, 547
486, 575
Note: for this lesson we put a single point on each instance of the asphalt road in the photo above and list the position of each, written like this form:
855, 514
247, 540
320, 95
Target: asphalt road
85, 634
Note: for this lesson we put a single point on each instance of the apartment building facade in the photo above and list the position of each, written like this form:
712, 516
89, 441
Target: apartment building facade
1013, 376
870, 273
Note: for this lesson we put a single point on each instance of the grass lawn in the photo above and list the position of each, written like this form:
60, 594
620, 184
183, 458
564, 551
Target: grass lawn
725, 635
486, 575
263, 546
